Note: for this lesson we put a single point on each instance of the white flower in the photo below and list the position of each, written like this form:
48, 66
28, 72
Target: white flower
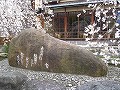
107, 57
96, 53
110, 30
99, 18
116, 63
114, 17
116, 24
91, 32
13, 14
102, 54
50, 11
104, 26
103, 19
84, 10
112, 61
87, 39
100, 36
87, 29
105, 11
117, 34
97, 13
78, 14
86, 34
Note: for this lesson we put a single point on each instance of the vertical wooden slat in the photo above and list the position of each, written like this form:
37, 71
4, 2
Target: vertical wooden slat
41, 20
78, 28
108, 36
92, 18
33, 4
65, 24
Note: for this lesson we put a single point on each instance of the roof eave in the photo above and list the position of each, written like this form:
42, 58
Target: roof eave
72, 4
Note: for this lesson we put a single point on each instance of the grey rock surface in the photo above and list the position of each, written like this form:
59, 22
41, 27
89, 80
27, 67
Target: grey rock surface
100, 85
42, 85
11, 80
36, 50
70, 81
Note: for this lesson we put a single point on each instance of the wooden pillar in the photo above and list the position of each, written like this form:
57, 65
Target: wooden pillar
41, 20
92, 18
78, 34
33, 4
108, 35
53, 23
65, 24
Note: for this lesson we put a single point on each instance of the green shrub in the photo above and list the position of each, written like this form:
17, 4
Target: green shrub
4, 52
5, 48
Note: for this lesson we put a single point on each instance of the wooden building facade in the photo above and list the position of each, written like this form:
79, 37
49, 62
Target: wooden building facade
71, 19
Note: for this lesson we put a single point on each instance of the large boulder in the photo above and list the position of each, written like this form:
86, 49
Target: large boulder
36, 50
100, 85
11, 80
42, 85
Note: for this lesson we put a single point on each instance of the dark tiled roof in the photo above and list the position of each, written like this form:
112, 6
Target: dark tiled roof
52, 0
73, 0
66, 4
76, 3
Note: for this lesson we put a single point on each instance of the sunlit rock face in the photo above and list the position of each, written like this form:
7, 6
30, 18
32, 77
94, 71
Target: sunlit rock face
36, 50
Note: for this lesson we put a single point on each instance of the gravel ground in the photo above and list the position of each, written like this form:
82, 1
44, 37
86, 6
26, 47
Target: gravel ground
70, 81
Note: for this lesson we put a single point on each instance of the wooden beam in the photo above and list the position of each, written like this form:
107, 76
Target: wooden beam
65, 25
80, 8
63, 1
78, 27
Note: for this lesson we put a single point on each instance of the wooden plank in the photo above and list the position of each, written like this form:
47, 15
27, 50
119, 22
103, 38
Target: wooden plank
92, 18
65, 25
